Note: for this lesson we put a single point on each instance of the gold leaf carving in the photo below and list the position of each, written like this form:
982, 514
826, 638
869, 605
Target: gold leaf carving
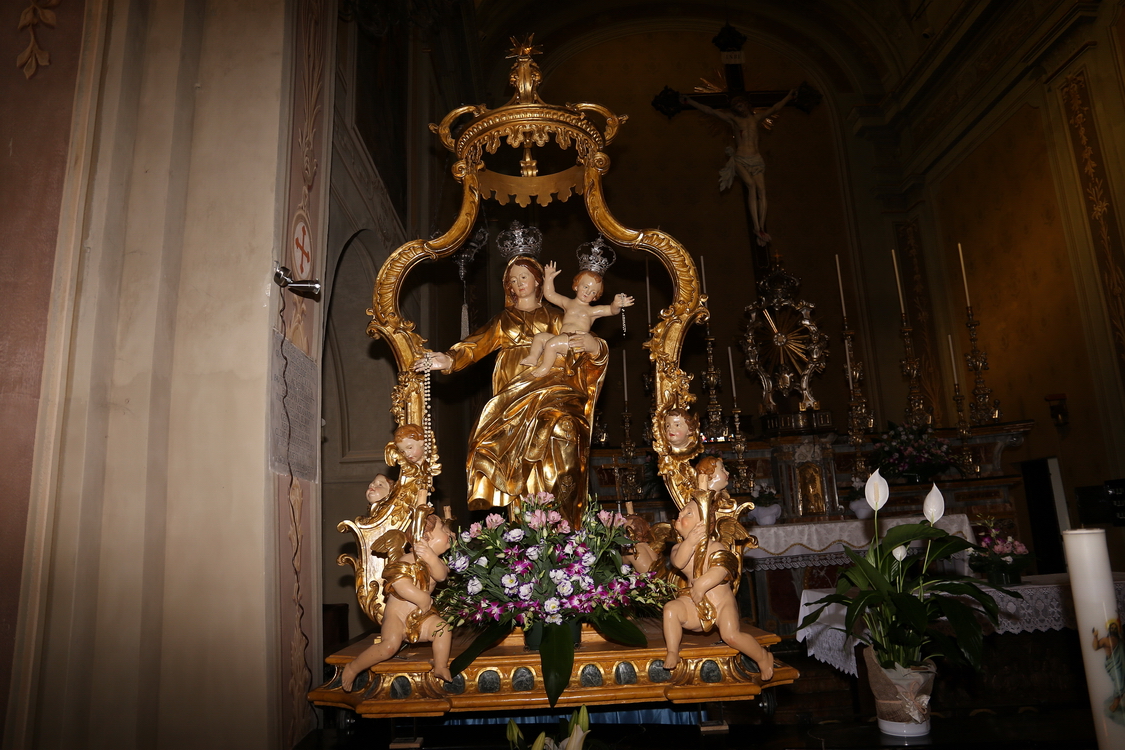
33, 56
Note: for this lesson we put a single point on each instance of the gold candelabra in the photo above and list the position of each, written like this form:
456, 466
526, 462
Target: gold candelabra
964, 431
980, 410
742, 481
625, 471
714, 427
917, 414
860, 421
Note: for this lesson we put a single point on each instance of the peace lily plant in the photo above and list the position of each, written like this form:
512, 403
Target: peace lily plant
909, 612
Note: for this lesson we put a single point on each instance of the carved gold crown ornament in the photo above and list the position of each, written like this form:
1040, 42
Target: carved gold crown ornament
474, 134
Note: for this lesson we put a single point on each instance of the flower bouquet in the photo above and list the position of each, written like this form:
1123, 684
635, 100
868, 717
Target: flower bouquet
914, 453
1002, 559
537, 571
901, 601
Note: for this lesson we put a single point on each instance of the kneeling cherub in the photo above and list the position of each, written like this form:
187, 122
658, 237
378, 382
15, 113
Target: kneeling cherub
709, 567
409, 580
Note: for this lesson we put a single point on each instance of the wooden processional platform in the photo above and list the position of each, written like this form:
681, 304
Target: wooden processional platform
507, 676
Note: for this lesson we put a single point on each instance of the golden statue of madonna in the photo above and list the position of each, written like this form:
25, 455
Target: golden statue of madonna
534, 433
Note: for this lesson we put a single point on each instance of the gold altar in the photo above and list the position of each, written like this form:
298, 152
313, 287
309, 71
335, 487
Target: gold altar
506, 677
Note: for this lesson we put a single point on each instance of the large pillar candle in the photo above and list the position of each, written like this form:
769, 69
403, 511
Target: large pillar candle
1099, 632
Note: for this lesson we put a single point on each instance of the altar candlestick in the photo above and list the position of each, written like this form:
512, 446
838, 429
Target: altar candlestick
898, 284
733, 387
964, 276
625, 375
628, 507
703, 273
953, 359
648, 296
840, 280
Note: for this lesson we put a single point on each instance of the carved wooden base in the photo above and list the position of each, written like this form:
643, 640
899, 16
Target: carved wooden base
507, 676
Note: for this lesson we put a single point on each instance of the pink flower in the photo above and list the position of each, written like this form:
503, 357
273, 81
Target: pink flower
564, 527
537, 519
1020, 548
474, 531
605, 517
553, 516
493, 520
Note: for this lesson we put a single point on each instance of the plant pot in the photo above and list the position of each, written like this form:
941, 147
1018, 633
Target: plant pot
533, 636
902, 696
767, 515
1004, 577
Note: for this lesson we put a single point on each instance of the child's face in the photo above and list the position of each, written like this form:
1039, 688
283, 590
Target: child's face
439, 539
588, 288
410, 448
719, 478
688, 518
677, 430
379, 488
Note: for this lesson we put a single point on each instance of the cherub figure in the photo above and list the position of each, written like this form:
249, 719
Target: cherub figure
649, 541
578, 317
745, 158
377, 491
409, 496
711, 570
409, 580
682, 438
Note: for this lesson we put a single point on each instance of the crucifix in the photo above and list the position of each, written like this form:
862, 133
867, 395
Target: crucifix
737, 107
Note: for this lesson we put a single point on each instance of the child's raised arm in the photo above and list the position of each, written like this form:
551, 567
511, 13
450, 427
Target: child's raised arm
550, 271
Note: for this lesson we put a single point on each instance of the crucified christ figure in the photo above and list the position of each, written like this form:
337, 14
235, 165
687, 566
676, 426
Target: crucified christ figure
745, 159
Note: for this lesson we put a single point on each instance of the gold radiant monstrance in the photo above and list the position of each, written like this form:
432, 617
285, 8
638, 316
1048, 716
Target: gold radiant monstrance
604, 673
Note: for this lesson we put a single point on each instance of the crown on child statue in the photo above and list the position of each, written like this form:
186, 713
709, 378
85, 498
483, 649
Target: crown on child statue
595, 256
519, 240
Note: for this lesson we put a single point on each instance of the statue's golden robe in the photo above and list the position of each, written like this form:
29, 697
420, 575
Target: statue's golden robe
534, 435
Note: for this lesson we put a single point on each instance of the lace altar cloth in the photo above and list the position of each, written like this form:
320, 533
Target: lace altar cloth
1047, 604
801, 545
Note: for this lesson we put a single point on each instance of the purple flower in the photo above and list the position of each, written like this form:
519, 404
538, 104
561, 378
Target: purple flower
523, 566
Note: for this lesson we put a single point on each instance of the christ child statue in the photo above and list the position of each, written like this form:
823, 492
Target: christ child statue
409, 580
578, 316
710, 568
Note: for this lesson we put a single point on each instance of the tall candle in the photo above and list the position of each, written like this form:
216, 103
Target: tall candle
648, 296
964, 276
1095, 607
448, 512
953, 359
733, 387
703, 273
898, 283
629, 507
625, 375
840, 280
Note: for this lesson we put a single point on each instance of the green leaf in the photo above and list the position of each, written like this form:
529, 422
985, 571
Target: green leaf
488, 637
857, 606
874, 578
910, 532
515, 736
556, 658
620, 630
940, 549
913, 610
966, 628
966, 588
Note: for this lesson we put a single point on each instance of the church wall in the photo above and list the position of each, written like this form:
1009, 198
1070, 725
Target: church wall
36, 130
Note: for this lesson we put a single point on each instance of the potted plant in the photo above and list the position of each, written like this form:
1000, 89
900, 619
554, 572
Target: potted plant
1001, 558
914, 454
908, 612
538, 573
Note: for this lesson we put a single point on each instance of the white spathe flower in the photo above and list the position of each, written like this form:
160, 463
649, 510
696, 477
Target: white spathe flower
934, 506
899, 552
877, 491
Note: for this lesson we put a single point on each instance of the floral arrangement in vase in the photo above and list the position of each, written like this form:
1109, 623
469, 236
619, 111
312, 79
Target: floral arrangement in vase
1000, 557
538, 573
914, 453
899, 598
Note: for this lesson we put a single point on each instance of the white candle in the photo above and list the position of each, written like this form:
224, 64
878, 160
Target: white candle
898, 283
629, 507
964, 276
703, 273
1095, 605
448, 512
648, 296
625, 375
733, 387
953, 359
840, 280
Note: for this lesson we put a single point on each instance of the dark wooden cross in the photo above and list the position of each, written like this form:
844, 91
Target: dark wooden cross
730, 42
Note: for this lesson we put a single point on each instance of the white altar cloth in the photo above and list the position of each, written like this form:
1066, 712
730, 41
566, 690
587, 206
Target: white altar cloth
799, 545
1047, 604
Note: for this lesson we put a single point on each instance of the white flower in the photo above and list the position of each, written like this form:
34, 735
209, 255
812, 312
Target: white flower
877, 491
589, 559
508, 581
553, 619
465, 537
474, 586
459, 564
626, 569
586, 582
482, 561
899, 552
514, 535
565, 587
525, 591
552, 605
532, 553
934, 506
1007, 558
557, 575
